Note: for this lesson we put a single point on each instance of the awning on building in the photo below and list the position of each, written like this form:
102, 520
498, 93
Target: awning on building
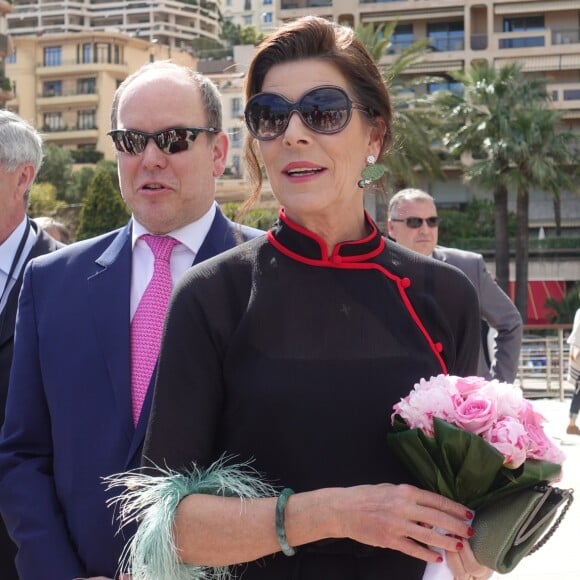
538, 291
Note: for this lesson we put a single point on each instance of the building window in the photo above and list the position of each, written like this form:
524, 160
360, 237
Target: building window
401, 38
236, 164
572, 95
87, 119
235, 137
87, 53
11, 58
52, 89
266, 2
53, 122
103, 53
52, 56
523, 24
446, 36
247, 20
237, 108
247, 4
86, 86
454, 87
267, 18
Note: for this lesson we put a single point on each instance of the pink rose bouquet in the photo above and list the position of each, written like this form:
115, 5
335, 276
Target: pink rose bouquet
478, 442
472, 440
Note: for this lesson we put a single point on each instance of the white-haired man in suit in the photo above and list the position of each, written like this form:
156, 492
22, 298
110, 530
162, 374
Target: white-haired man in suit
20, 241
414, 223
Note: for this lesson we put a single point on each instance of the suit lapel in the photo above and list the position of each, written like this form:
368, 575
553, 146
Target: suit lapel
43, 245
221, 237
109, 294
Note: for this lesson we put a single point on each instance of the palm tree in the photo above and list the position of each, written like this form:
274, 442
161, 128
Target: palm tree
539, 156
563, 310
412, 152
479, 123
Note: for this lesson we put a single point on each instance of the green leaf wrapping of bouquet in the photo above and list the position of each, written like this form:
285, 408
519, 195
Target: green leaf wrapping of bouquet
419, 453
461, 465
528, 475
471, 464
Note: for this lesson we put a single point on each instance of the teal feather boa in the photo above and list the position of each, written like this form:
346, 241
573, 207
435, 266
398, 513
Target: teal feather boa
151, 501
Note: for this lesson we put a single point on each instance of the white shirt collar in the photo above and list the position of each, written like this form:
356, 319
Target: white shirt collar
9, 247
191, 235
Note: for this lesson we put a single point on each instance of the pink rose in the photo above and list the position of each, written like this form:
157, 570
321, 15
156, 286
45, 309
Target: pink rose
467, 385
508, 436
541, 447
529, 416
476, 414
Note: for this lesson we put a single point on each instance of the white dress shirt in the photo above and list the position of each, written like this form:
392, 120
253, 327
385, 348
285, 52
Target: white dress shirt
8, 251
190, 237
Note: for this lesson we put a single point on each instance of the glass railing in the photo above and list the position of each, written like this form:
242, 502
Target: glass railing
544, 359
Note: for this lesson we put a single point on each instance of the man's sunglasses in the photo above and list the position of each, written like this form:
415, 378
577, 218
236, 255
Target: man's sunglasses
416, 222
325, 110
169, 141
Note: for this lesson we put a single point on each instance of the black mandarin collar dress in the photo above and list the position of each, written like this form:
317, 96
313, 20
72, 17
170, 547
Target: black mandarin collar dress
279, 353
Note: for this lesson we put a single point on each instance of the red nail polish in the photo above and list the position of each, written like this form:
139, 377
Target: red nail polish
459, 546
439, 559
469, 515
470, 532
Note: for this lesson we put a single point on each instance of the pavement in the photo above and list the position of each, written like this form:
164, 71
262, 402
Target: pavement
559, 558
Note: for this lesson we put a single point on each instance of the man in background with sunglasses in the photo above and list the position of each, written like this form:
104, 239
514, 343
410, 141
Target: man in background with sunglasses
413, 223
74, 414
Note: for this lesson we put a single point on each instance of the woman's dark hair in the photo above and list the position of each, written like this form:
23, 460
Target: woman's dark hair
317, 38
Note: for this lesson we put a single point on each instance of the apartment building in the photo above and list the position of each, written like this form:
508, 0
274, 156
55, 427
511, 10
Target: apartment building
260, 14
172, 23
544, 36
5, 50
64, 83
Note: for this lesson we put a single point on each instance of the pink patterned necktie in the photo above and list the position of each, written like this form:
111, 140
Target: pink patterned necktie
147, 323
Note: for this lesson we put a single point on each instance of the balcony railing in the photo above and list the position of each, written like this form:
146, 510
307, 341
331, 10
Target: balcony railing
47, 94
67, 128
538, 38
544, 359
566, 36
75, 62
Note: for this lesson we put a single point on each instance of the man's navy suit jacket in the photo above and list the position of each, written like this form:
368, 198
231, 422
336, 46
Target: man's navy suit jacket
68, 420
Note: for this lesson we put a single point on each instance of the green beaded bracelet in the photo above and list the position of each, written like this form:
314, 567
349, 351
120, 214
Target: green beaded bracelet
286, 548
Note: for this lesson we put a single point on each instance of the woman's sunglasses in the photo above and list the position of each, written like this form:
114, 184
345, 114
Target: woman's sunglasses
416, 222
324, 109
169, 141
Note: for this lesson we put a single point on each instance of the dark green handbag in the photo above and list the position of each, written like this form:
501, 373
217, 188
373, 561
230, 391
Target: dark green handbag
517, 525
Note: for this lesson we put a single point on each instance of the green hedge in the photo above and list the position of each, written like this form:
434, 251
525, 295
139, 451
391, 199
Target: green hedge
86, 155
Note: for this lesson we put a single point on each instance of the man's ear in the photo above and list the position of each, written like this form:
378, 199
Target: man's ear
221, 146
25, 177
